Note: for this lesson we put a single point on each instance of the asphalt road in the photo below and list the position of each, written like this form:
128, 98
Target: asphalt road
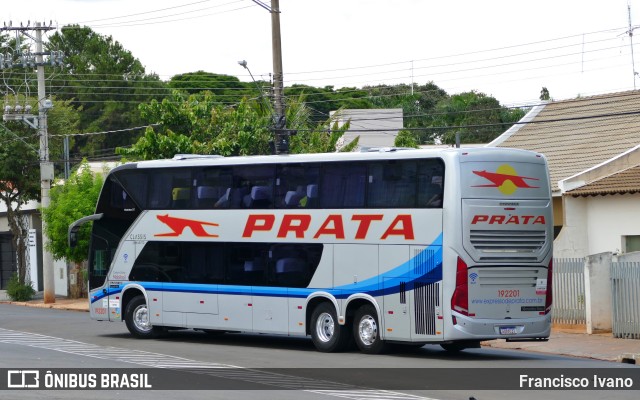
68, 341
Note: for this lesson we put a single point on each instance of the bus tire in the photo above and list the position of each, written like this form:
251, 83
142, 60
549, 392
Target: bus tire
137, 319
327, 334
366, 331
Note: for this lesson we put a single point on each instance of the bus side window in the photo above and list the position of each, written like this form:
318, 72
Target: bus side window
259, 197
343, 185
119, 198
247, 264
291, 271
430, 183
180, 197
206, 196
293, 197
148, 266
312, 197
433, 195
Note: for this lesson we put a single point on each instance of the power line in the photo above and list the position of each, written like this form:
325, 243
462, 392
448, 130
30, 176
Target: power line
106, 132
147, 12
141, 22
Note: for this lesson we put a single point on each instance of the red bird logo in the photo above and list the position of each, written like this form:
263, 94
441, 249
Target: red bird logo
506, 179
499, 179
178, 225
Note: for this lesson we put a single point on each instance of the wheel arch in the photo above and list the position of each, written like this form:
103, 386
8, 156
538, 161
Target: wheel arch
129, 293
358, 300
313, 301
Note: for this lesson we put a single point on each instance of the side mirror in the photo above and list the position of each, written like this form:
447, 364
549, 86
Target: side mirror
73, 238
75, 227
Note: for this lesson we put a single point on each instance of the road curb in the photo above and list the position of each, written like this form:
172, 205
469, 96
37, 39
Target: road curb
56, 306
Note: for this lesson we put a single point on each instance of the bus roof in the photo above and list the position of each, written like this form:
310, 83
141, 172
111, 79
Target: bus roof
473, 154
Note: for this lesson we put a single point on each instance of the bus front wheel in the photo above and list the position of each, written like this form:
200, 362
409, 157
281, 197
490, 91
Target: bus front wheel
327, 334
137, 319
366, 330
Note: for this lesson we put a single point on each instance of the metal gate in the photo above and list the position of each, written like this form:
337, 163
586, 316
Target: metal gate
568, 291
7, 260
625, 290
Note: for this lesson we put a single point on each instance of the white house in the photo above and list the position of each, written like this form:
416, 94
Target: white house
375, 127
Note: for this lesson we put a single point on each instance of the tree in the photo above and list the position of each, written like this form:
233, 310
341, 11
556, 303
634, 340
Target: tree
197, 124
63, 119
418, 105
104, 80
321, 101
20, 172
70, 201
406, 138
544, 94
19, 184
477, 117
225, 88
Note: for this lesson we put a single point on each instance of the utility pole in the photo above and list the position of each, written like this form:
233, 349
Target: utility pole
630, 32
281, 134
46, 167
46, 170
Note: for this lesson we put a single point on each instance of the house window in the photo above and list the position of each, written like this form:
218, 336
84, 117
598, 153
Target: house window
631, 243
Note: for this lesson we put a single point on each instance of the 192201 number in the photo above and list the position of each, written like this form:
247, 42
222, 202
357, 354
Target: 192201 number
508, 293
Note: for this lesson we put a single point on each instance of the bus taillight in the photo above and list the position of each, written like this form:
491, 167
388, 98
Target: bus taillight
549, 296
460, 299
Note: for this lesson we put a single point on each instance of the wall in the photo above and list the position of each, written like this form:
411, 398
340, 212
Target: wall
557, 211
609, 218
60, 270
597, 296
596, 224
383, 124
572, 242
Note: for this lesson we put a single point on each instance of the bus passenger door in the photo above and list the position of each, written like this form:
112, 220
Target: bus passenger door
425, 293
122, 265
99, 261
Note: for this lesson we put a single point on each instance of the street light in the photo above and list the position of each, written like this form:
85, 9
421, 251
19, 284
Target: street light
243, 64
280, 140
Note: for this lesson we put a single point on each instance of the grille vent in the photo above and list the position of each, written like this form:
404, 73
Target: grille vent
426, 299
494, 245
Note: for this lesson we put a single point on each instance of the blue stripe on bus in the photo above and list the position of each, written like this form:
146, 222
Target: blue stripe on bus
428, 262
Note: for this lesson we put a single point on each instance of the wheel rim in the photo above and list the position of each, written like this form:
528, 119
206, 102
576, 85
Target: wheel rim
367, 330
141, 318
325, 327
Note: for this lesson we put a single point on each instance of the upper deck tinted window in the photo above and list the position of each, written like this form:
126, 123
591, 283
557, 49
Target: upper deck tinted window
405, 183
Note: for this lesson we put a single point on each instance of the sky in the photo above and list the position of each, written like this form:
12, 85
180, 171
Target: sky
504, 48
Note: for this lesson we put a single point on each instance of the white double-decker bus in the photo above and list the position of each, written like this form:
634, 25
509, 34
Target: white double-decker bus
450, 246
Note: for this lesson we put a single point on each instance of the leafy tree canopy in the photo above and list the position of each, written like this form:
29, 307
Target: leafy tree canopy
70, 201
106, 81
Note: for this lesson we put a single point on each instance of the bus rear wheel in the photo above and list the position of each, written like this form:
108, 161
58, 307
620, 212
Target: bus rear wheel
327, 334
366, 330
137, 319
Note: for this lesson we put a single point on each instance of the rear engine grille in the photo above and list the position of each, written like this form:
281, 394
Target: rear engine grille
426, 300
500, 244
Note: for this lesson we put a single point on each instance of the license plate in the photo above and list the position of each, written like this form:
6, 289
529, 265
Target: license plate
508, 330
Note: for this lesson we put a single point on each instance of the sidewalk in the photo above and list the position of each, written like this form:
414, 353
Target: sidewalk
602, 346
562, 342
